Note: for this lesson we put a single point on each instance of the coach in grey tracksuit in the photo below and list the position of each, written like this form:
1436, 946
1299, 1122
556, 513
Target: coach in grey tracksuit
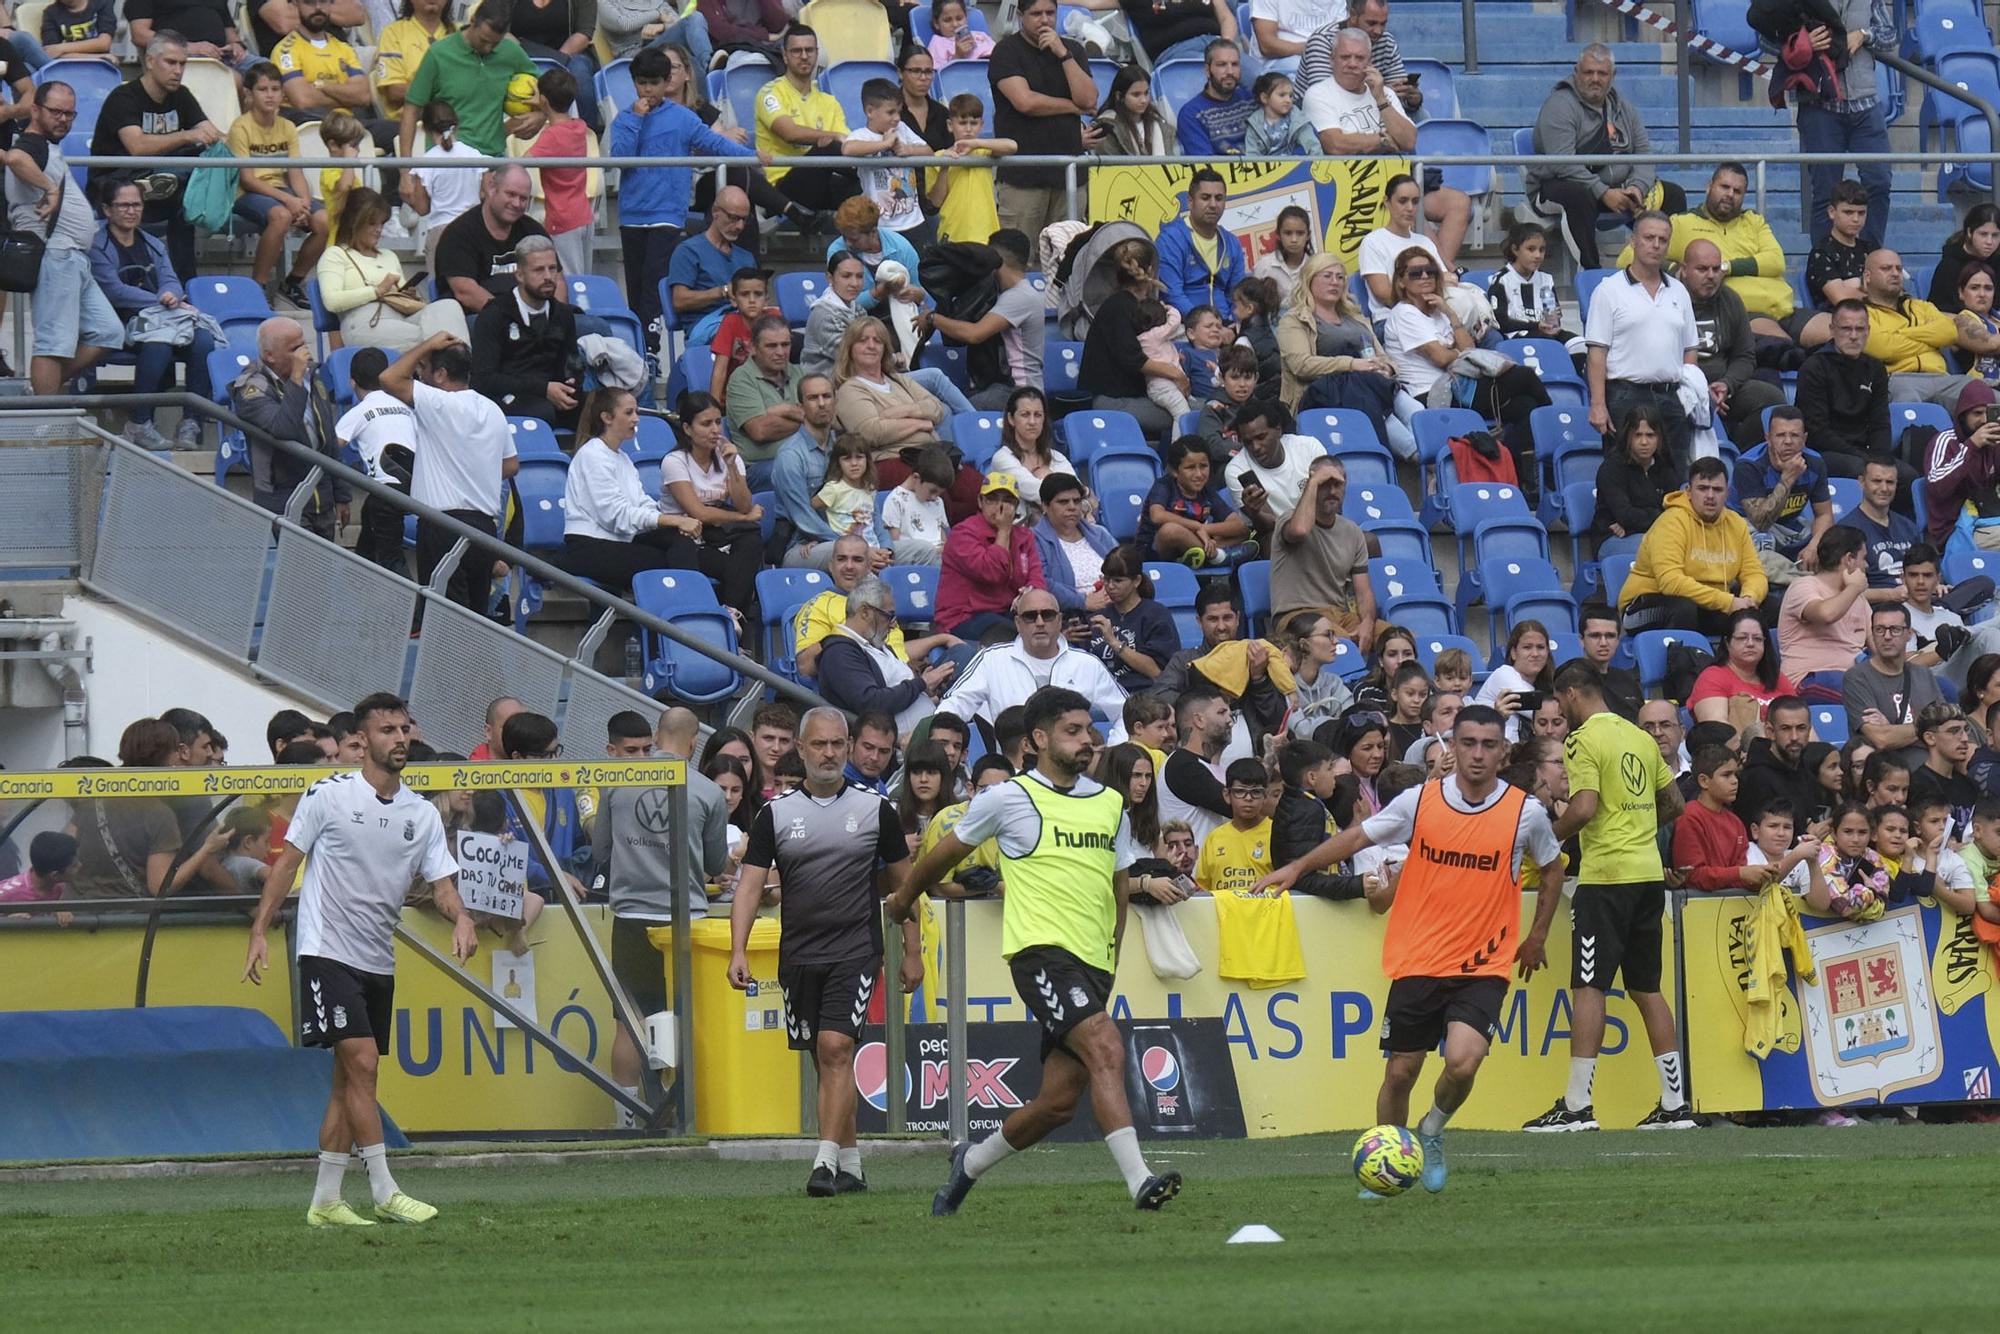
1585, 115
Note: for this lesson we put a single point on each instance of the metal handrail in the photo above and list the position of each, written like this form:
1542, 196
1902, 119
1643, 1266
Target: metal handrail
68, 404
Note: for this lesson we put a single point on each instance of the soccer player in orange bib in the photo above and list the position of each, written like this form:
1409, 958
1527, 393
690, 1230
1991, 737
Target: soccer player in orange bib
1454, 919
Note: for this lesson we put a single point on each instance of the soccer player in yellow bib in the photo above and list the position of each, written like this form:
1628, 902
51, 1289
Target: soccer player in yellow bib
1620, 794
1064, 845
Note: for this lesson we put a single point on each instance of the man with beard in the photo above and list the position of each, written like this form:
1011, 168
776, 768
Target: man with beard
523, 344
860, 673
368, 837
1724, 347
1751, 255
1191, 789
1006, 674
1771, 765
1214, 119
1064, 843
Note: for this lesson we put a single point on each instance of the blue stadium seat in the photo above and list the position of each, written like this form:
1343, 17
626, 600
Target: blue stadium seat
1613, 571
1473, 502
1175, 587
1440, 89
1577, 511
1846, 496
843, 82
1122, 469
1650, 648
1372, 466
1902, 416
540, 484
1829, 723
1728, 24
779, 593
1401, 539
687, 600
1102, 72
947, 357
335, 374
324, 321
1433, 429
1392, 579
977, 435
597, 294
1429, 646
966, 76
1086, 434
1062, 361
1567, 449
650, 447
1339, 429
692, 371
1348, 660
1253, 578
1374, 501
1586, 283
1962, 565
226, 297
533, 438
1176, 83
743, 83
1499, 539
1550, 361
1554, 608
1422, 616
915, 587
1459, 138
796, 294
1119, 511
1564, 648
615, 92
1942, 32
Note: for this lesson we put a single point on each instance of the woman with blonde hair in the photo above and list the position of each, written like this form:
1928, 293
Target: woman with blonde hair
892, 412
1331, 359
363, 284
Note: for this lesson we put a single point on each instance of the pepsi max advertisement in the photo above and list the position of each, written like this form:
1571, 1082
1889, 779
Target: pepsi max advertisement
1178, 1079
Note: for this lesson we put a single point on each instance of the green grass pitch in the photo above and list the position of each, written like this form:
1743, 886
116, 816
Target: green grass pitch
1875, 1227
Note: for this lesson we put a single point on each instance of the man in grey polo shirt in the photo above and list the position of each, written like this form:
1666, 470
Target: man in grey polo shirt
1641, 331
636, 859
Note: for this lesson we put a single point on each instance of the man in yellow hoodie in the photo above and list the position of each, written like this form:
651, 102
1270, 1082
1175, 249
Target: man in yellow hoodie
1751, 255
1908, 336
1695, 553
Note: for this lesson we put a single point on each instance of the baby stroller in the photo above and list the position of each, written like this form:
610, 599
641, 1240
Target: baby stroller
1085, 277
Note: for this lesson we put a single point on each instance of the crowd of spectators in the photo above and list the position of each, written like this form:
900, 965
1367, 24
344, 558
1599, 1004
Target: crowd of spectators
1729, 405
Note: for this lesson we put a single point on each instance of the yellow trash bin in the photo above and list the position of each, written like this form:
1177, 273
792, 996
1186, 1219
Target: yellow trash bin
746, 1074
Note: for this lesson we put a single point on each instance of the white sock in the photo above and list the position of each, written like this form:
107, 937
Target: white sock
1673, 1096
828, 1155
986, 1154
627, 1118
380, 1184
1124, 1146
1433, 1122
850, 1160
332, 1166
1582, 1070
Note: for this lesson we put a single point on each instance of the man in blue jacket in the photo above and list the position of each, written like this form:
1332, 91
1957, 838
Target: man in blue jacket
1214, 119
653, 201
1200, 263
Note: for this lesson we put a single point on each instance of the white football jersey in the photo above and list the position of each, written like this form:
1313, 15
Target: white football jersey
362, 852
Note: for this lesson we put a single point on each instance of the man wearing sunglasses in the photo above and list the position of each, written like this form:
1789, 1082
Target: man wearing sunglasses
1003, 675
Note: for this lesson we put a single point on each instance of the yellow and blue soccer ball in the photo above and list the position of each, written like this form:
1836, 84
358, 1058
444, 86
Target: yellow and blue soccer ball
520, 99
1388, 1160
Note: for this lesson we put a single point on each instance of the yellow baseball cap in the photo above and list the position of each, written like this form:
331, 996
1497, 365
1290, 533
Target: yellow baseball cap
1001, 481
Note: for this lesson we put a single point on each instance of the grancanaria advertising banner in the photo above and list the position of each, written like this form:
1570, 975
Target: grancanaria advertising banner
1342, 196
1904, 1009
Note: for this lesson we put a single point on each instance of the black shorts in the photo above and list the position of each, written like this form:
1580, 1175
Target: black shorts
827, 998
1060, 989
338, 1002
1419, 1008
639, 968
1617, 929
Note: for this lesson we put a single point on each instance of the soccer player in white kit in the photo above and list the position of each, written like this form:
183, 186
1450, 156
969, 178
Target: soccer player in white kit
368, 837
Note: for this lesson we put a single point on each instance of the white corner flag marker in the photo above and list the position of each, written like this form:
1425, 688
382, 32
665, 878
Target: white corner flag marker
1253, 1232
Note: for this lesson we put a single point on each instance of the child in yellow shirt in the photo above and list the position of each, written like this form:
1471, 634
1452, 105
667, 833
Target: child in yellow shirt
1237, 855
964, 195
342, 134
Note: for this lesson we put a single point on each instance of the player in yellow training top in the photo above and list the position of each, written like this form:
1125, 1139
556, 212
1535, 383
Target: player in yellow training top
1064, 845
